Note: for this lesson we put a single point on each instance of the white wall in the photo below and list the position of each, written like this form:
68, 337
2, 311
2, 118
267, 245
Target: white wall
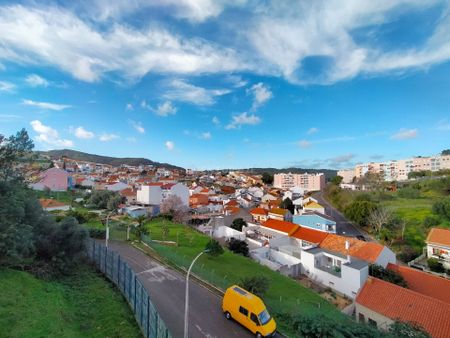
227, 232
149, 195
182, 192
386, 256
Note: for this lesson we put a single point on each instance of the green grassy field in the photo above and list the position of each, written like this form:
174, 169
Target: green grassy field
284, 294
84, 305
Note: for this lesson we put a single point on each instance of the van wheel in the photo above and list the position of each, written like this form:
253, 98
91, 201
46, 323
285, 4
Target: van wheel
258, 335
227, 315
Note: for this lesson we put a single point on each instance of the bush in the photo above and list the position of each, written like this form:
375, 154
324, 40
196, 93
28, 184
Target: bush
97, 233
442, 208
257, 285
387, 275
238, 223
435, 265
82, 216
214, 248
359, 212
431, 221
408, 253
238, 247
408, 192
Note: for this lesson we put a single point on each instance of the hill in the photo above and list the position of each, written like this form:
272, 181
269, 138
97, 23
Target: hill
329, 173
114, 161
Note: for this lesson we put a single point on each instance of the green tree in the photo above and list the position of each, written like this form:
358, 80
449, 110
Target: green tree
257, 285
287, 204
407, 330
214, 248
267, 178
359, 211
238, 247
445, 152
442, 207
105, 199
387, 275
12, 150
336, 180
238, 223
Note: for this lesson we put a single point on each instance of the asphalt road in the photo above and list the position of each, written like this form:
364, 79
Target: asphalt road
343, 226
166, 288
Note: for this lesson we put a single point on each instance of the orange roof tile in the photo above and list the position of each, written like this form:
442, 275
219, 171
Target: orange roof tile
279, 211
128, 192
424, 283
258, 211
232, 203
439, 236
282, 226
367, 251
395, 302
232, 209
314, 205
49, 203
309, 235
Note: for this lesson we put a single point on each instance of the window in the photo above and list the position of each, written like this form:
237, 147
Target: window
361, 318
254, 319
264, 317
372, 322
244, 311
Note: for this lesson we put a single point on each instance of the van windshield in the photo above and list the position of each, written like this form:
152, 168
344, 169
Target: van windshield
264, 317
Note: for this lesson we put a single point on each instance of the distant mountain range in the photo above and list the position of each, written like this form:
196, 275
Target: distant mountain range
329, 173
114, 161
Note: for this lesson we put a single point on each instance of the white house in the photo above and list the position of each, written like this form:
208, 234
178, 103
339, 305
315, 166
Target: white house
177, 189
438, 245
119, 186
150, 194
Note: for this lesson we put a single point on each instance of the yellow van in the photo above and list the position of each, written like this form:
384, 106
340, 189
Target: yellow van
248, 310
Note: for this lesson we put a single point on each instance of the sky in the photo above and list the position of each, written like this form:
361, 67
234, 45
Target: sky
210, 84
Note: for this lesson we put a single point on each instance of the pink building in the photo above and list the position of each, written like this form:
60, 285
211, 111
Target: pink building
309, 182
54, 179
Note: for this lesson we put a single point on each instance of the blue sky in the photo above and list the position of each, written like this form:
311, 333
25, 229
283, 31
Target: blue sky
229, 84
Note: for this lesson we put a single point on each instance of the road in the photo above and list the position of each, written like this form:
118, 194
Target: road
166, 289
343, 226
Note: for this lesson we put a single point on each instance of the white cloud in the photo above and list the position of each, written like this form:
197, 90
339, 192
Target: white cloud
49, 136
405, 134
138, 126
243, 119
165, 109
341, 160
443, 125
105, 137
180, 90
304, 144
312, 130
261, 94
7, 86
216, 120
129, 107
205, 136
82, 133
57, 37
170, 145
46, 105
35, 80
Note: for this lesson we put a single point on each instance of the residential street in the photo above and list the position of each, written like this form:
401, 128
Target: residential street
166, 288
343, 226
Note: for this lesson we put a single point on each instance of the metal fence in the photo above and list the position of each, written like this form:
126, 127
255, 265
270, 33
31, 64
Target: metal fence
119, 272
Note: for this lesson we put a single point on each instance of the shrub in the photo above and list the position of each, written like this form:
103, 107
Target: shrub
238, 247
238, 223
97, 233
435, 265
387, 275
359, 211
431, 221
214, 248
408, 253
408, 192
257, 285
442, 207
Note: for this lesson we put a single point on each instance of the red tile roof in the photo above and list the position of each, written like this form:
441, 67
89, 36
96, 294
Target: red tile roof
258, 211
367, 251
439, 236
167, 186
395, 302
232, 203
128, 192
282, 226
424, 283
309, 235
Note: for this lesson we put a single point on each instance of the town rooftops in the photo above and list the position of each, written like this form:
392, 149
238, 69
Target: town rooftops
398, 303
367, 251
439, 236
424, 283
49, 203
313, 205
282, 226
258, 211
309, 235
278, 211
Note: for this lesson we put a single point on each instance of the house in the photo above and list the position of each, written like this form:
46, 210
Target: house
54, 179
438, 245
259, 215
280, 214
176, 189
313, 206
150, 194
119, 186
380, 303
268, 197
52, 205
129, 194
135, 211
198, 199
316, 221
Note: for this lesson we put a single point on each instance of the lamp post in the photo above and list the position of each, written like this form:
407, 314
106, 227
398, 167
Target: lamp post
107, 229
186, 301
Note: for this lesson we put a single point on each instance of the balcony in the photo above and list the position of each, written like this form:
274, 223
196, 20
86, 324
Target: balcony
331, 269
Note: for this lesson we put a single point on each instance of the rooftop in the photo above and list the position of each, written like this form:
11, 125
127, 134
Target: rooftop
439, 236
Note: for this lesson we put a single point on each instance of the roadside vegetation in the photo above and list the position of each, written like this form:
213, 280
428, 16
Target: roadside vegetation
397, 214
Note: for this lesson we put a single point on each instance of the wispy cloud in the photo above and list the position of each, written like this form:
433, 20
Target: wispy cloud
82, 133
165, 109
443, 125
405, 134
170, 145
46, 105
261, 94
105, 137
338, 161
312, 130
205, 135
35, 80
129, 107
49, 136
6, 86
180, 90
304, 144
215, 120
243, 119
137, 125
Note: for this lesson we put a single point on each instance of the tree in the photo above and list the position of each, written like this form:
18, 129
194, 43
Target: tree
267, 178
287, 204
378, 218
238, 247
359, 211
238, 223
173, 205
105, 199
407, 330
257, 285
445, 152
336, 180
390, 276
214, 248
12, 150
442, 207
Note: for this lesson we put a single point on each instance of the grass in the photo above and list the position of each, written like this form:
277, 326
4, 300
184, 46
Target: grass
284, 294
83, 305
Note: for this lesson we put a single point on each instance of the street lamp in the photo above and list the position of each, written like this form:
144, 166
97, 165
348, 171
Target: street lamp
186, 301
107, 229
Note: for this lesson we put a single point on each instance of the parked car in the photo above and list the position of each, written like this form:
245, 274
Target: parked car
248, 310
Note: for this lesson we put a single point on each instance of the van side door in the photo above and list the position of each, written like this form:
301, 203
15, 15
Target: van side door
243, 317
254, 322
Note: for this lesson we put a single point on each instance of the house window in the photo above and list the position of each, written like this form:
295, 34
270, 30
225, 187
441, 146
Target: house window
361, 318
244, 311
372, 322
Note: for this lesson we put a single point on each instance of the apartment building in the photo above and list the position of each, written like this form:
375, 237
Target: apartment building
310, 182
347, 175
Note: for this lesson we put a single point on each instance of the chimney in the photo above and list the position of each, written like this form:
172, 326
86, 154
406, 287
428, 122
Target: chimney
347, 247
